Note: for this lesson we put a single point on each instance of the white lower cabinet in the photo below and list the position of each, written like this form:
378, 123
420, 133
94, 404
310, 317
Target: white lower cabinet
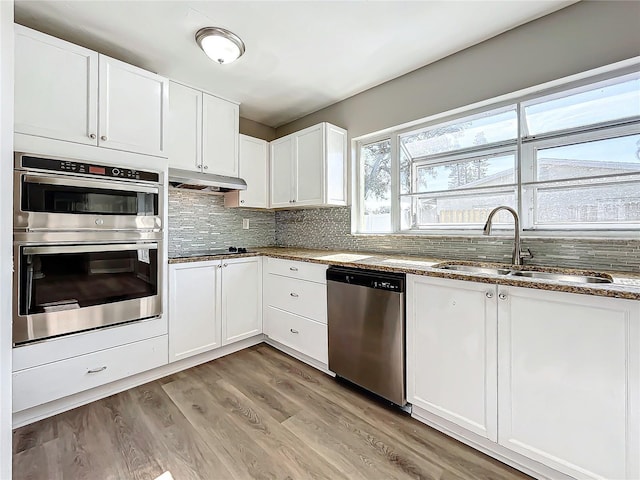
51, 381
551, 376
212, 304
194, 309
295, 306
451, 351
569, 381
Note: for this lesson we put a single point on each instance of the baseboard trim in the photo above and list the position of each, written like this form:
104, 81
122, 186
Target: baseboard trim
486, 446
30, 415
323, 367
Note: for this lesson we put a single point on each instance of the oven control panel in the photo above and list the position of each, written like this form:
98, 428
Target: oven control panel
72, 166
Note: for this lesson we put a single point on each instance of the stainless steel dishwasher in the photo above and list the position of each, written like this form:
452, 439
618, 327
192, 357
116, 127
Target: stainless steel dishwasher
366, 323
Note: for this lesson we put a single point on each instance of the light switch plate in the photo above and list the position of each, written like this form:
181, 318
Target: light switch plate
245, 224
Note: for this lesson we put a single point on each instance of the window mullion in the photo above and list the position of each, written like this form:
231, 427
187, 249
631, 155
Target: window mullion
395, 184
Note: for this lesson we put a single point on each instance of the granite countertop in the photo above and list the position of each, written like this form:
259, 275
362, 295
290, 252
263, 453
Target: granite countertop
625, 284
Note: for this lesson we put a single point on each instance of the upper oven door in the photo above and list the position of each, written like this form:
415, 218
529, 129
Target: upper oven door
44, 201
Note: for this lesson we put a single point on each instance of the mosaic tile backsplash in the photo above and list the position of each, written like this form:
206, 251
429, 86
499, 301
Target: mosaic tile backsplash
199, 221
330, 228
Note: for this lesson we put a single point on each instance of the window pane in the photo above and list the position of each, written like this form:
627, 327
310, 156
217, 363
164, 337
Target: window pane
597, 105
469, 209
375, 161
613, 156
484, 129
617, 203
468, 173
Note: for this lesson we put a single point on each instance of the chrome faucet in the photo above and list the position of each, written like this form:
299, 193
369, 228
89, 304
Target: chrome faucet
517, 256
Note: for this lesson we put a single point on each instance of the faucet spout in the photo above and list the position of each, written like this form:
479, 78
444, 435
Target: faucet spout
516, 258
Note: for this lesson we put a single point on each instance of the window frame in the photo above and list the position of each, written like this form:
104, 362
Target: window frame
525, 150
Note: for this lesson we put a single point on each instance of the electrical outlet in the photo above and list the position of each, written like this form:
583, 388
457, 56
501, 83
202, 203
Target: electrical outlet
245, 224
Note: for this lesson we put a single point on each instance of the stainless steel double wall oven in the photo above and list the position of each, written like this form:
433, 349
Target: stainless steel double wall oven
88, 246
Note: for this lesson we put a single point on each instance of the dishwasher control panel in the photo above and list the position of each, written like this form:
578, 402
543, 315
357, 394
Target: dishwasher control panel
393, 282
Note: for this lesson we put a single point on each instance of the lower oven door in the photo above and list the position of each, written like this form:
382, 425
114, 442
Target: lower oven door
63, 289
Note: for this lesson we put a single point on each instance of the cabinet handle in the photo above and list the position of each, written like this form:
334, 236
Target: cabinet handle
92, 136
294, 331
293, 269
206, 167
103, 138
97, 370
502, 296
294, 295
489, 294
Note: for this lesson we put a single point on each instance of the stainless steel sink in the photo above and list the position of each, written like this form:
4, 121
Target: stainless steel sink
473, 269
533, 274
561, 277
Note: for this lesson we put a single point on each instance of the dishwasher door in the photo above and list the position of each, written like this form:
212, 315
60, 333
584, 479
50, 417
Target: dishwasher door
366, 325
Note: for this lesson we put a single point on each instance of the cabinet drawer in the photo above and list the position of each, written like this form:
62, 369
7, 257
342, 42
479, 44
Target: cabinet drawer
313, 272
307, 299
44, 383
301, 334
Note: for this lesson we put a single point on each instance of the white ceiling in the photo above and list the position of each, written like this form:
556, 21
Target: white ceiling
301, 56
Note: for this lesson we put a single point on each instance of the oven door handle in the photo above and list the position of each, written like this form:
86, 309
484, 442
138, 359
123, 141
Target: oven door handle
106, 184
114, 247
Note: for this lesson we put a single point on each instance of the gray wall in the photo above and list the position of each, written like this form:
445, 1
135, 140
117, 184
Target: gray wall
199, 221
581, 37
257, 129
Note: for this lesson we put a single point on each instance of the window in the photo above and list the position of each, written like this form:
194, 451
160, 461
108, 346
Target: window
566, 161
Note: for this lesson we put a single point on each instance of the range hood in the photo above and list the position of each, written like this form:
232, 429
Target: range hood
204, 182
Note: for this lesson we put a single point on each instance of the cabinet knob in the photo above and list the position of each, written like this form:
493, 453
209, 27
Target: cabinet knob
294, 295
489, 294
241, 201
226, 264
92, 136
293, 331
97, 370
103, 138
502, 296
220, 266
206, 167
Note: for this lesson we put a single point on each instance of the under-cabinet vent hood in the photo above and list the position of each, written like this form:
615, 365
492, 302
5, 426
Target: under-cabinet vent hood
204, 182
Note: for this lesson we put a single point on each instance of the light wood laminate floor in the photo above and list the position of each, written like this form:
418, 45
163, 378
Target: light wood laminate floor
256, 414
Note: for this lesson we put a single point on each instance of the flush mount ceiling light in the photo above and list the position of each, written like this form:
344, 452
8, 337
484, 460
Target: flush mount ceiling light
219, 44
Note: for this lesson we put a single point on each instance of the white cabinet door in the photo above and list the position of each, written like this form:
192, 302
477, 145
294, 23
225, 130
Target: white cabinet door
309, 166
282, 151
194, 309
451, 351
185, 127
220, 124
56, 88
336, 165
132, 108
241, 299
254, 169
569, 380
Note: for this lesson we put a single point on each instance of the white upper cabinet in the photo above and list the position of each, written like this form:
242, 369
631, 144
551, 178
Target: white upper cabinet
282, 172
185, 127
254, 169
66, 92
56, 88
132, 108
220, 124
451, 351
203, 132
569, 381
309, 168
